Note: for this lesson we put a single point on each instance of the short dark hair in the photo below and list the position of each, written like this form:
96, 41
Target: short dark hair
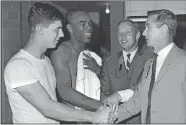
166, 17
130, 21
70, 13
43, 14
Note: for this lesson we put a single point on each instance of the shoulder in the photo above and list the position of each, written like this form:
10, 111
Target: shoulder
19, 66
20, 58
64, 48
113, 58
63, 51
18, 62
181, 54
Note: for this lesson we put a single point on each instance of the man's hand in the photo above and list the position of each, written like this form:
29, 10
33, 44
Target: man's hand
91, 64
113, 117
113, 101
101, 115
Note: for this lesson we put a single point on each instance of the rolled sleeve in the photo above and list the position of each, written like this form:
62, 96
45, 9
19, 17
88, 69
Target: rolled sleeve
20, 73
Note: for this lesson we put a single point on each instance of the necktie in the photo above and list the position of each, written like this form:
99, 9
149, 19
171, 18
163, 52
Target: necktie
148, 116
128, 61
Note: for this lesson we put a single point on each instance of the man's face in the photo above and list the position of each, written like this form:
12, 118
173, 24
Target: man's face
52, 34
127, 36
82, 27
152, 33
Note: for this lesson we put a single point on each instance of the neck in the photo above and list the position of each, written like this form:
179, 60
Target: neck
78, 46
34, 48
162, 43
160, 47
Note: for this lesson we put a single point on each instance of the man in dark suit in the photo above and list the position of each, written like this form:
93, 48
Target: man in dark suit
123, 70
161, 94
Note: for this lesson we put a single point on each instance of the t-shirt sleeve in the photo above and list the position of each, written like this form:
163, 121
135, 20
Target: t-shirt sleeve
20, 73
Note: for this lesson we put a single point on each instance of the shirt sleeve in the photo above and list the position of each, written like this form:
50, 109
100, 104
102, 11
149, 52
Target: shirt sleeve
126, 94
20, 73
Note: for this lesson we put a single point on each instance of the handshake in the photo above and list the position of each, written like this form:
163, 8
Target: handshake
107, 113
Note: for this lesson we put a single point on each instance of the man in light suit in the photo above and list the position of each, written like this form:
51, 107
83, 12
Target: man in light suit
121, 72
161, 94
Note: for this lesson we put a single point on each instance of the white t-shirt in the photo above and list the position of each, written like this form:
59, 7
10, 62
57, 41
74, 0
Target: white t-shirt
24, 69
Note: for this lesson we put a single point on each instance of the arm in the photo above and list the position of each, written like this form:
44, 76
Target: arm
105, 81
66, 92
37, 96
131, 107
22, 77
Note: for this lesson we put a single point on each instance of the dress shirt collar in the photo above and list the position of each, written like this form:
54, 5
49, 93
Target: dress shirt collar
131, 54
161, 57
164, 52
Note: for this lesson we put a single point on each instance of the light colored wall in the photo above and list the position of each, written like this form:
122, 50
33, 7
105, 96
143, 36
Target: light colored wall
140, 8
11, 43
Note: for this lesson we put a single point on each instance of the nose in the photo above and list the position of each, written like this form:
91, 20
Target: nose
144, 32
88, 26
61, 34
123, 36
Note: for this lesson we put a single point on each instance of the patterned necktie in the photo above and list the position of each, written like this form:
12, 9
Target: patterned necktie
148, 116
128, 61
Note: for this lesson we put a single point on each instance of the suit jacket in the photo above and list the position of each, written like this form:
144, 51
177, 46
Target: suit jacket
168, 101
114, 76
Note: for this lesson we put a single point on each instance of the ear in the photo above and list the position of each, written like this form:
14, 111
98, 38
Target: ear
138, 35
40, 29
69, 27
164, 30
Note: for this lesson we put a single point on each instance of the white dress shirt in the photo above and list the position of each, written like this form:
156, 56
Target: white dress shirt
131, 56
161, 57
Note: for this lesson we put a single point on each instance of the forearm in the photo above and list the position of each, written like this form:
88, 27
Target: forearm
78, 99
129, 108
103, 96
105, 82
105, 89
62, 112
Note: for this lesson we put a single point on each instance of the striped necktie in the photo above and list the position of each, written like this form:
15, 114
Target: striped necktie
128, 62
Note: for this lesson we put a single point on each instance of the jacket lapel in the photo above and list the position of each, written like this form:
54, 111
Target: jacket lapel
147, 70
167, 62
134, 62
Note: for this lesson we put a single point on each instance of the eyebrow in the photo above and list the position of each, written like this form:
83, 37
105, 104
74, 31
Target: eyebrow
85, 21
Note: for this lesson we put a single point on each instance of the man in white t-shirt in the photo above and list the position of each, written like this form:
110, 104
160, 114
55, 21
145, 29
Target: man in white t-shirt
30, 78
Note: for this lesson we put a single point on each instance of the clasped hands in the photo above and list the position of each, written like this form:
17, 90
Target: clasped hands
108, 113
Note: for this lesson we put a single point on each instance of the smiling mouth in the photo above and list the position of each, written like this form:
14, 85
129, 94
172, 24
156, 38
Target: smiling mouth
88, 34
123, 41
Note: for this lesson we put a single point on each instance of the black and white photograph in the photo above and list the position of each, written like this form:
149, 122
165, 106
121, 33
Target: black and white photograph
93, 62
